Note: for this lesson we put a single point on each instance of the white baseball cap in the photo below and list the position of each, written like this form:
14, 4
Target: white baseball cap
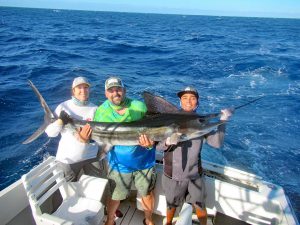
80, 80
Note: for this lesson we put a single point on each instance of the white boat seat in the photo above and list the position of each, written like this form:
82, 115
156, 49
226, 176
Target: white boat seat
81, 201
80, 210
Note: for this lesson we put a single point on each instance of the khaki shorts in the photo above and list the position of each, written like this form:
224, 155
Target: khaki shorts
120, 183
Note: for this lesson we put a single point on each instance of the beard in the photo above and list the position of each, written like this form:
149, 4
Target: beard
117, 100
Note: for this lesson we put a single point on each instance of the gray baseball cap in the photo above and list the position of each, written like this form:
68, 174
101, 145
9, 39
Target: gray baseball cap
113, 82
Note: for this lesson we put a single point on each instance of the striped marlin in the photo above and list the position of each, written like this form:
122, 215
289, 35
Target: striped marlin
162, 121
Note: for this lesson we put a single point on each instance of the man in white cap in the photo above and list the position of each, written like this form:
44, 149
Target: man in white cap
182, 178
73, 151
127, 164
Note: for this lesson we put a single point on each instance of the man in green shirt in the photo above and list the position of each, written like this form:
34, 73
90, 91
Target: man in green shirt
127, 164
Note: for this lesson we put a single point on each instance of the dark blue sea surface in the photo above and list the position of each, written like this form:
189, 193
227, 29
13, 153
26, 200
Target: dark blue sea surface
230, 60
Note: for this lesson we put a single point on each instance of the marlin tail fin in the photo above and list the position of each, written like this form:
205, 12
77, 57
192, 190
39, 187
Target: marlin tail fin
48, 117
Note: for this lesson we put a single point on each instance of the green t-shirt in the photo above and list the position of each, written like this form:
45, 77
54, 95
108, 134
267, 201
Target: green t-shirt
126, 159
136, 110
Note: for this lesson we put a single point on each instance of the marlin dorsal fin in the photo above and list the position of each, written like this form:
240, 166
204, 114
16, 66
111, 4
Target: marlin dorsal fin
156, 104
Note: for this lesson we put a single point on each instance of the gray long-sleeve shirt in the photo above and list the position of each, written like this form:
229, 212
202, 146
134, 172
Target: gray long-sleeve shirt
183, 161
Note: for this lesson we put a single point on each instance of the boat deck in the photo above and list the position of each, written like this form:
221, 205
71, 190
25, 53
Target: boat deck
134, 216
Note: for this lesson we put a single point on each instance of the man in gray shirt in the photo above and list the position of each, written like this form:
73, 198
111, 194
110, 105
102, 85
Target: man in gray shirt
182, 162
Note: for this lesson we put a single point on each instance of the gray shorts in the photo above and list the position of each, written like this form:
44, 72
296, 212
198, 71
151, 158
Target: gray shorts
192, 191
72, 171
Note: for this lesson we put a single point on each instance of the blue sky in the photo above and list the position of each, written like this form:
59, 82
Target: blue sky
260, 8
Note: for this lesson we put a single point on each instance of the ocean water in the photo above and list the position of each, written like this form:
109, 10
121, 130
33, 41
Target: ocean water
230, 60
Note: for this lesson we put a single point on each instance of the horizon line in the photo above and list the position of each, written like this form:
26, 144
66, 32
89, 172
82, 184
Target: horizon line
213, 13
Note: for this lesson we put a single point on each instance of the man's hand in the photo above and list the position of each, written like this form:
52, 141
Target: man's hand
84, 133
145, 142
173, 139
226, 114
64, 117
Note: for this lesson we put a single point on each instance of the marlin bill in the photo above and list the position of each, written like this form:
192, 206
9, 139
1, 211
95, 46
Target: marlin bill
163, 121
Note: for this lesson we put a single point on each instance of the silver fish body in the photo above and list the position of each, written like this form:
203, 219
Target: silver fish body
156, 127
164, 121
